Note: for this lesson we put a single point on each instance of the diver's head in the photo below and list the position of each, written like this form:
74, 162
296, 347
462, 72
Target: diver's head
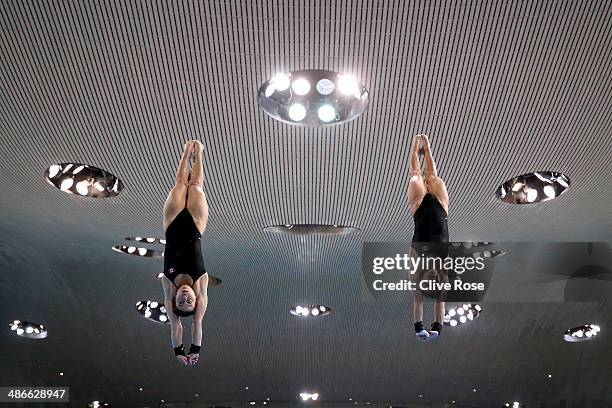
184, 301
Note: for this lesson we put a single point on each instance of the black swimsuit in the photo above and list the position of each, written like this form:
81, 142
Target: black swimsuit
183, 252
430, 224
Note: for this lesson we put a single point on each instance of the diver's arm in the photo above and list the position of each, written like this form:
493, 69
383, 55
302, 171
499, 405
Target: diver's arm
176, 327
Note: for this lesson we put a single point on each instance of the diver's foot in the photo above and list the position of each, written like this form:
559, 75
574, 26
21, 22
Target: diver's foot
436, 329
423, 335
416, 143
433, 335
424, 141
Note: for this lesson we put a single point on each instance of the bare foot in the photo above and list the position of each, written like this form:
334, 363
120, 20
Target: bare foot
188, 148
198, 147
424, 142
416, 142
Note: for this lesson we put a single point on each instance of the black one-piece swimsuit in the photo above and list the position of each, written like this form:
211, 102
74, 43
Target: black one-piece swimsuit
430, 226
183, 252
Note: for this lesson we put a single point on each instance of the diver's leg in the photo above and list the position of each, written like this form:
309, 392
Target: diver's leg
196, 199
435, 185
416, 188
417, 311
175, 202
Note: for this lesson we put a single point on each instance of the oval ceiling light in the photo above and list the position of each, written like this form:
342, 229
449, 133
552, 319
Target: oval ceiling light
533, 187
311, 229
311, 310
83, 180
313, 98
29, 330
581, 333
463, 314
139, 251
152, 310
309, 396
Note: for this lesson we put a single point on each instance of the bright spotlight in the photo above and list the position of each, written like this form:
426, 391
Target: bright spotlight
66, 184
301, 86
325, 86
348, 85
297, 112
326, 113
281, 82
549, 191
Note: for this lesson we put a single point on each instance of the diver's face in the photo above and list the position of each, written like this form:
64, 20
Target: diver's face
185, 299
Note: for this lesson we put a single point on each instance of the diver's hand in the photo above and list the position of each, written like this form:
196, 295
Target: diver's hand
193, 359
182, 360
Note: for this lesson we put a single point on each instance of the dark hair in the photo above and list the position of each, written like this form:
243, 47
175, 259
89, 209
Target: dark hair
180, 313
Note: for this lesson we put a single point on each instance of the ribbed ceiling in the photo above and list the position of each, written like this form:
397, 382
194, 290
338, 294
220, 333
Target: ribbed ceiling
502, 88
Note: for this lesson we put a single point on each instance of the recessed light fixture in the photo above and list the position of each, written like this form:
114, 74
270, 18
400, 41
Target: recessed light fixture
152, 310
514, 404
311, 229
148, 240
581, 333
139, 251
469, 244
311, 310
487, 254
98, 404
313, 98
29, 330
83, 180
309, 396
463, 314
533, 187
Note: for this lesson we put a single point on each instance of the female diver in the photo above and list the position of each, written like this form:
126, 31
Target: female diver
185, 280
428, 201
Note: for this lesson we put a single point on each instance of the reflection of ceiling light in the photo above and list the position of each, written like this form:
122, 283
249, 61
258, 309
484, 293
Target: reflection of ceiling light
28, 329
301, 86
311, 310
461, 314
533, 187
311, 229
81, 178
302, 107
581, 333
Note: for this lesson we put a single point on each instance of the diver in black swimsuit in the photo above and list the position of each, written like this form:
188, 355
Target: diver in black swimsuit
428, 200
185, 281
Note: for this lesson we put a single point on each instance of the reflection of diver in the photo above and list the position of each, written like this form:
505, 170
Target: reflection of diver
428, 200
185, 280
